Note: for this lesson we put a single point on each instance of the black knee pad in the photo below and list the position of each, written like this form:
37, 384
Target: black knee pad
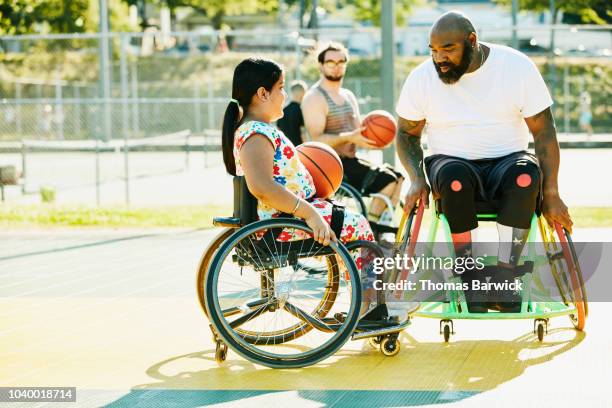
456, 179
518, 195
457, 187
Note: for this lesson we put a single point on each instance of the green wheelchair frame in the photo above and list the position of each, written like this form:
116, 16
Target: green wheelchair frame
560, 256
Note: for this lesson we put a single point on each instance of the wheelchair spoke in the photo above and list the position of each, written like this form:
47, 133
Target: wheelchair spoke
237, 309
299, 313
248, 316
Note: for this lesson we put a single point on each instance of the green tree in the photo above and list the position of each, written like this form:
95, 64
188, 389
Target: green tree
58, 16
369, 10
217, 10
584, 8
64, 16
19, 16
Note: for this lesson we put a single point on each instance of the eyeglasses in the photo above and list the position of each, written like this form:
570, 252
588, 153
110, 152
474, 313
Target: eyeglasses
334, 64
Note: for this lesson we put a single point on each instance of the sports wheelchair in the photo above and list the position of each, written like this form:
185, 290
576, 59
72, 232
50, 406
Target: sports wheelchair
537, 303
265, 306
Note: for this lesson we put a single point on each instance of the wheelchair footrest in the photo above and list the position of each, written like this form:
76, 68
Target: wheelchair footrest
380, 331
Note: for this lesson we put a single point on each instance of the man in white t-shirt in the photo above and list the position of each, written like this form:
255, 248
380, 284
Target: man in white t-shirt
479, 101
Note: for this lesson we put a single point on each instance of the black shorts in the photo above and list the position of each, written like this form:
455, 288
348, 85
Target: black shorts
488, 173
367, 177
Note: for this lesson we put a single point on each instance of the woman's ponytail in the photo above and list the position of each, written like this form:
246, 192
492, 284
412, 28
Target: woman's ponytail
249, 76
230, 124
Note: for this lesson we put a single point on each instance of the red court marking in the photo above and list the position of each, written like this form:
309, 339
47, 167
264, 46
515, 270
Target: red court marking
456, 185
524, 180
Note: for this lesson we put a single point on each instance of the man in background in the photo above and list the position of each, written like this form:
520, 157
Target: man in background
292, 122
331, 115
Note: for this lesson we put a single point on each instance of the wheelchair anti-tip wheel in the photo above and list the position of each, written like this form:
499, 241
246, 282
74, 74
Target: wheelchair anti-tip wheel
264, 307
220, 352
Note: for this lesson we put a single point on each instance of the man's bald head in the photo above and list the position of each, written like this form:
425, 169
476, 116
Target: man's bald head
453, 21
452, 41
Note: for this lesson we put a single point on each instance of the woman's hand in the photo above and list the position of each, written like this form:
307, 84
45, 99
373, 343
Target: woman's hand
322, 231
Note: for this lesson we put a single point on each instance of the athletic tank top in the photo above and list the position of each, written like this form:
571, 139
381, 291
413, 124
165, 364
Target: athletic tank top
340, 118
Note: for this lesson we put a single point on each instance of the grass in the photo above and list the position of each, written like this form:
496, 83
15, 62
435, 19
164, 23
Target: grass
111, 217
28, 216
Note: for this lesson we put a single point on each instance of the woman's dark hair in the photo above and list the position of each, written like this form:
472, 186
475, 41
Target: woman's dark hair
249, 76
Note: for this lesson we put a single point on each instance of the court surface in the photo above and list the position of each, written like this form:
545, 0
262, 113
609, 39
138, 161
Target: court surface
115, 314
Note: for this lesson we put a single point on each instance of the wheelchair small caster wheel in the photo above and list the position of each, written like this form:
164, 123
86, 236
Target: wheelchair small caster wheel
374, 342
540, 328
446, 329
390, 346
220, 352
446, 333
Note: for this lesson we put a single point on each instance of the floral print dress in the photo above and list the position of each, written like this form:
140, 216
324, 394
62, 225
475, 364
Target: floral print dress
289, 172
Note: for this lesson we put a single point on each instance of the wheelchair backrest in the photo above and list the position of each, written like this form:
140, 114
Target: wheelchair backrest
245, 204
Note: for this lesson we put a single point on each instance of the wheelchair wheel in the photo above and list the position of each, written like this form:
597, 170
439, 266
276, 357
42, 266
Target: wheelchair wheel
205, 262
566, 271
271, 312
579, 273
348, 196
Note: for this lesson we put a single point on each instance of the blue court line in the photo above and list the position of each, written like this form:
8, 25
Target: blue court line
330, 398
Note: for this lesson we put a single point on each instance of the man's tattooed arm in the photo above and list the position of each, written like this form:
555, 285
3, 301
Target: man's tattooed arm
542, 127
409, 147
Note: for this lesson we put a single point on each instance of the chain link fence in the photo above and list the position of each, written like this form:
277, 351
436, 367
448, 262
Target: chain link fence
52, 90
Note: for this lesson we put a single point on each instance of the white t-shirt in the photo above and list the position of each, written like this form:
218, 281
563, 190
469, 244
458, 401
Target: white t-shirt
482, 114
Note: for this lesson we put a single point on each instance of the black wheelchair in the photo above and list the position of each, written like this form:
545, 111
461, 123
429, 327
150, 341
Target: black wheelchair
263, 304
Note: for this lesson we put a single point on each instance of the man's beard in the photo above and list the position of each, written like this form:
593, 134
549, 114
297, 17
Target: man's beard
333, 78
456, 71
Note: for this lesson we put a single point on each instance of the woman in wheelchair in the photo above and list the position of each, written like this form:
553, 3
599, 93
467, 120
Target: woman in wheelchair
256, 282
254, 148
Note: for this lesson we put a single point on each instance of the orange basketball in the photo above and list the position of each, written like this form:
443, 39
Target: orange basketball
380, 128
324, 165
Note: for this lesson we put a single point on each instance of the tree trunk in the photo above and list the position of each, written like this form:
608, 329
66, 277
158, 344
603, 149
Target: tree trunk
172, 19
217, 19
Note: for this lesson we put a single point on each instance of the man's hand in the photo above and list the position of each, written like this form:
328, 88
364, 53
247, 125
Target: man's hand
555, 210
419, 190
356, 137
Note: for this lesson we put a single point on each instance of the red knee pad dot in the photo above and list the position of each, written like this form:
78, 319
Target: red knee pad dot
524, 180
456, 185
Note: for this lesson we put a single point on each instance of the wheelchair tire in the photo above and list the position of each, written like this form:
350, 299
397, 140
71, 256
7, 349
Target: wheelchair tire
577, 283
273, 348
205, 262
567, 274
579, 273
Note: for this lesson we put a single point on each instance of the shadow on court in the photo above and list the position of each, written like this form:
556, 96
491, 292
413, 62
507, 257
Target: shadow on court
423, 373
